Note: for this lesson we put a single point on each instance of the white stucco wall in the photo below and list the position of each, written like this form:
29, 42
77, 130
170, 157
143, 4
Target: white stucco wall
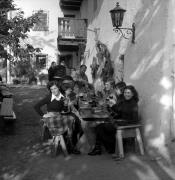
45, 40
101, 19
148, 63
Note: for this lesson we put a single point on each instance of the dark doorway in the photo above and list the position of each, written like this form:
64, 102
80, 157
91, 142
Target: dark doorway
68, 59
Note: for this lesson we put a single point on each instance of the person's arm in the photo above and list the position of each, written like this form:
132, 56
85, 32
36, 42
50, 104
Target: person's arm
86, 78
76, 76
135, 118
41, 103
115, 112
64, 105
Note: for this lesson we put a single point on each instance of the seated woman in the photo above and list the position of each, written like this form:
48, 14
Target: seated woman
126, 113
56, 104
77, 131
127, 109
54, 100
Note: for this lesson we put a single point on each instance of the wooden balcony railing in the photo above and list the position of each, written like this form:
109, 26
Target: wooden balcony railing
71, 28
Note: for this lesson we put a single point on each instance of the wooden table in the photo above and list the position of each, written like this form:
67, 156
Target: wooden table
89, 113
92, 116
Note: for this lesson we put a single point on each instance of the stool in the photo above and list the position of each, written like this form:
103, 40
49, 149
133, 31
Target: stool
57, 140
125, 132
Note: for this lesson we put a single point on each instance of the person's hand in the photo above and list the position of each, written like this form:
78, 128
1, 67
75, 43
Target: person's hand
66, 102
70, 103
112, 102
49, 114
68, 91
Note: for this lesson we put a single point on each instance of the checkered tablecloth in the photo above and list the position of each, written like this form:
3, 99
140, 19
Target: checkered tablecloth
58, 123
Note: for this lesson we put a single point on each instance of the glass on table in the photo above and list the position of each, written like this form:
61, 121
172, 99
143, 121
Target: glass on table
102, 104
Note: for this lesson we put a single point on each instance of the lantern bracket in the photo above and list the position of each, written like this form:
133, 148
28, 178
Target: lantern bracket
126, 32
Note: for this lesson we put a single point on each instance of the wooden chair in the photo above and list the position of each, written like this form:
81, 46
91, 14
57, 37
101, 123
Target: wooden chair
57, 140
125, 132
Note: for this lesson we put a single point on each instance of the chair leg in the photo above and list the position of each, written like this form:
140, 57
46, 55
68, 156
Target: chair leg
54, 145
43, 132
120, 143
63, 145
139, 140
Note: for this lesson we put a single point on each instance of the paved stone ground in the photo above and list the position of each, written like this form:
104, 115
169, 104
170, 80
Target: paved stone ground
24, 157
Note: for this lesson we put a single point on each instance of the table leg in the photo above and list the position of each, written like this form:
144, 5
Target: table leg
120, 143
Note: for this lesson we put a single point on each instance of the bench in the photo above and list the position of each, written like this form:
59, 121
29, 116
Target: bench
7, 109
125, 132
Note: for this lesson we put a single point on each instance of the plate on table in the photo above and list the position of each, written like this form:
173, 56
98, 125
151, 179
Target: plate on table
65, 112
97, 110
85, 103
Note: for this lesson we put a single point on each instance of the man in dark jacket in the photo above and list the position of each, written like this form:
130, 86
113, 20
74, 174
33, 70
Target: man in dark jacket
51, 71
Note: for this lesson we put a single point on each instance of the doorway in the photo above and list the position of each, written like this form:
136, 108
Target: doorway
68, 59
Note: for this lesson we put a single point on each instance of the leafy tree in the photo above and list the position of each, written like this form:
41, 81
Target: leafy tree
14, 30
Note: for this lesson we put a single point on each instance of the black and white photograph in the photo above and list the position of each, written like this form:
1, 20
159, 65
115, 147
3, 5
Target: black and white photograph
87, 89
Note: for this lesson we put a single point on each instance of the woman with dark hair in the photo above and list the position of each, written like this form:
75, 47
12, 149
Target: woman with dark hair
56, 104
54, 100
126, 112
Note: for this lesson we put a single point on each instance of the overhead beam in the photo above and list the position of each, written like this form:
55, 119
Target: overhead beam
71, 1
70, 4
70, 7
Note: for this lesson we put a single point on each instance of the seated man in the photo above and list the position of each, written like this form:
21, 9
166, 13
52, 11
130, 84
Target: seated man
59, 73
51, 71
81, 77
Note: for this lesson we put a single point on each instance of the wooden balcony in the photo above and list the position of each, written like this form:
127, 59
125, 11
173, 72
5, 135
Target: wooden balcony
71, 31
70, 4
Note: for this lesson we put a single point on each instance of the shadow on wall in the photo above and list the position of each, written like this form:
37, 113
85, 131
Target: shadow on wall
82, 167
115, 57
42, 42
93, 16
24, 157
146, 65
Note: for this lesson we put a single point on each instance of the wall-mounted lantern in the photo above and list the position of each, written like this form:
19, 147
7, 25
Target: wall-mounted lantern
117, 15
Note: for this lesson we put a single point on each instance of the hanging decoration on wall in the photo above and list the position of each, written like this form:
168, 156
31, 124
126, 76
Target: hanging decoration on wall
94, 68
105, 70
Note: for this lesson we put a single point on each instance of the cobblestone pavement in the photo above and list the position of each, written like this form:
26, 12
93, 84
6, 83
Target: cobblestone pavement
24, 157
